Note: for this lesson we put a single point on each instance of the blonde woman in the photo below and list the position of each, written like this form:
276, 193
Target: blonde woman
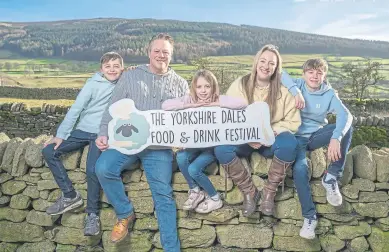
263, 84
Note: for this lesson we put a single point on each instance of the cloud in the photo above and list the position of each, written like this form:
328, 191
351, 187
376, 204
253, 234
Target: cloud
340, 18
364, 16
360, 25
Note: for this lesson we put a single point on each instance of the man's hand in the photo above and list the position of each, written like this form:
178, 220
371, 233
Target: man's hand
333, 152
255, 145
54, 140
300, 101
102, 142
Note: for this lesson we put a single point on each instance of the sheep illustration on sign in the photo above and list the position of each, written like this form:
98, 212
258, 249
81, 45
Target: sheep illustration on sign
130, 131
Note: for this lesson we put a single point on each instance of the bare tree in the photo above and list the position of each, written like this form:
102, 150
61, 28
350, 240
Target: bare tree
7, 66
201, 63
362, 75
16, 65
224, 75
28, 71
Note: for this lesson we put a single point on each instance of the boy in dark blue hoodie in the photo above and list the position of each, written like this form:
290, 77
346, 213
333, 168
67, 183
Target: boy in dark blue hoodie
316, 98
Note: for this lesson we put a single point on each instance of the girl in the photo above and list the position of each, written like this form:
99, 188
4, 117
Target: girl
263, 84
204, 91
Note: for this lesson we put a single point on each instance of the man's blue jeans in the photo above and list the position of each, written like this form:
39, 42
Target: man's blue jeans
157, 165
192, 163
284, 148
319, 139
78, 139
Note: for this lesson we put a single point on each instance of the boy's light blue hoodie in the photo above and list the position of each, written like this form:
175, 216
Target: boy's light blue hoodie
89, 107
317, 105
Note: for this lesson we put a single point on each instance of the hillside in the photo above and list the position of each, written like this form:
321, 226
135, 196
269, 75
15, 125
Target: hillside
88, 39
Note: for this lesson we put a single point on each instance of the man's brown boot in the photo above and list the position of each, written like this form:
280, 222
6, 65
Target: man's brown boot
276, 176
120, 230
242, 179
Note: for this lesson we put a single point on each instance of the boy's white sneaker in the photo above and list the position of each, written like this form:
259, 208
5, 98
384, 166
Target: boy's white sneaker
308, 229
208, 205
194, 198
332, 190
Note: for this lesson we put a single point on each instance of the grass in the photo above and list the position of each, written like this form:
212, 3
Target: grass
73, 74
48, 81
68, 82
37, 103
242, 59
183, 67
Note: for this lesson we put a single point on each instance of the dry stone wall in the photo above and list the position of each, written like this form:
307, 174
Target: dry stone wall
18, 120
39, 93
27, 189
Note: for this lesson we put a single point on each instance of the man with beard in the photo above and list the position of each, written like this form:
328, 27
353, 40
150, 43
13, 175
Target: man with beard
148, 86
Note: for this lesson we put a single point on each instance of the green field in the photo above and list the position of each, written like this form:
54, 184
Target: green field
293, 62
66, 73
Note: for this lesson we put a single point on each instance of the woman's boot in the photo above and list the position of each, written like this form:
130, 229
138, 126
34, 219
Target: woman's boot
276, 176
242, 179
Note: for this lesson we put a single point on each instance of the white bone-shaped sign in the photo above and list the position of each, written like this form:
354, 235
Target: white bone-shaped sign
130, 131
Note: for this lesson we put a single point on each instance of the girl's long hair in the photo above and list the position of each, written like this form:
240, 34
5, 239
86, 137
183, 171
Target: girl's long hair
211, 79
249, 80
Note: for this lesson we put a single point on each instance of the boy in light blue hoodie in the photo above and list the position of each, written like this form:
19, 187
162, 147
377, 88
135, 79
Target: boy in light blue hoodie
71, 135
316, 98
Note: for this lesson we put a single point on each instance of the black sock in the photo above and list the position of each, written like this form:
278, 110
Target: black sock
70, 195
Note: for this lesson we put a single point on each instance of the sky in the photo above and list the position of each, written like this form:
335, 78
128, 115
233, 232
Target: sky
365, 19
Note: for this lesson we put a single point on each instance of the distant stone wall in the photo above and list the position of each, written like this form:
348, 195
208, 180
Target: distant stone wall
17, 120
360, 224
358, 108
368, 107
39, 93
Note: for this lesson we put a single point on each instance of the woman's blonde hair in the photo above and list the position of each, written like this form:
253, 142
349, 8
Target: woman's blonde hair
249, 80
211, 79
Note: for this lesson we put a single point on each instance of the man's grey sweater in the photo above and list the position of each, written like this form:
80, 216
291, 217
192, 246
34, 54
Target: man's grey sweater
146, 89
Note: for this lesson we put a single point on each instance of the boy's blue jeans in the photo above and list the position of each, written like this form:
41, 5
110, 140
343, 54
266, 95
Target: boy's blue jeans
157, 166
192, 163
78, 139
284, 148
319, 139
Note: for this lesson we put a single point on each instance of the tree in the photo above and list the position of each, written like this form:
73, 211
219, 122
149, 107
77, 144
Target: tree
7, 66
362, 75
225, 76
16, 65
28, 71
201, 63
